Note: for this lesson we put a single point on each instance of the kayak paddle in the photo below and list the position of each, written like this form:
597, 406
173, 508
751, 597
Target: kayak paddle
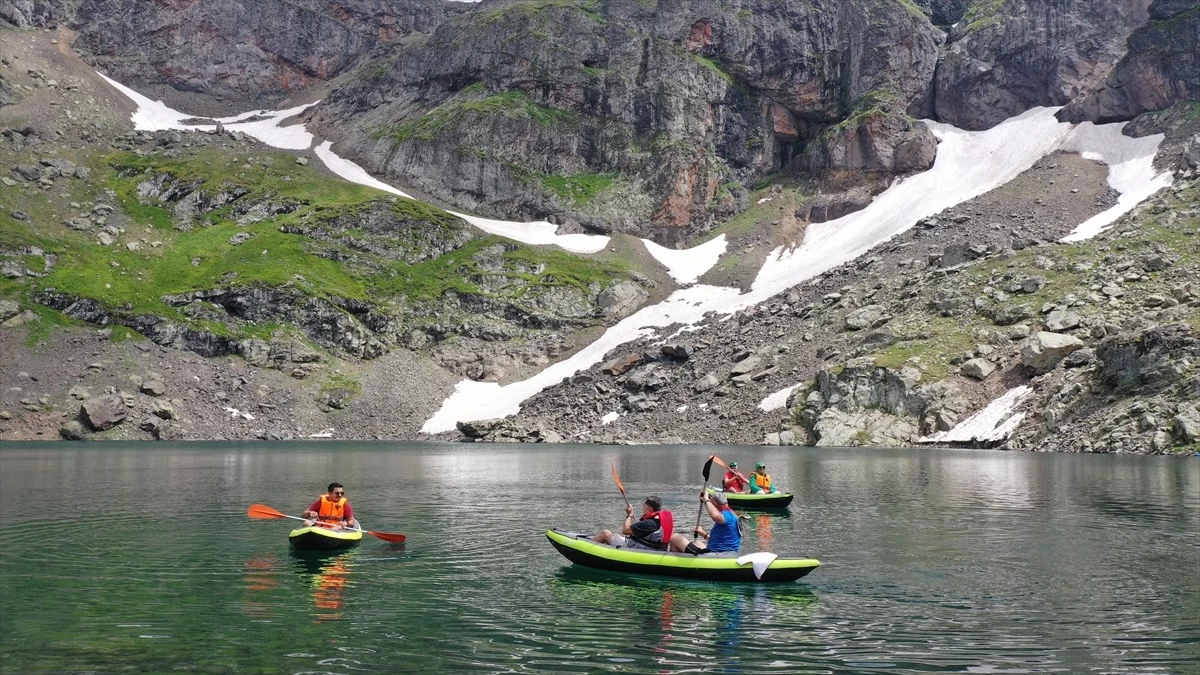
262, 511
729, 468
703, 490
620, 487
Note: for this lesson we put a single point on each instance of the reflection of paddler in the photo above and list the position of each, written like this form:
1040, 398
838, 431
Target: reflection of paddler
666, 614
259, 576
762, 525
328, 585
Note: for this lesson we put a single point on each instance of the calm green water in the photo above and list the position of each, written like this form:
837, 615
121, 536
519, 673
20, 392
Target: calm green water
141, 559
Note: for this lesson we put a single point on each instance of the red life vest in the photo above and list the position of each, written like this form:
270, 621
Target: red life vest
666, 522
332, 512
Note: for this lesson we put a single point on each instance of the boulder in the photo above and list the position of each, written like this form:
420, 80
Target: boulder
978, 368
705, 383
676, 350
1187, 425
621, 299
748, 365
1059, 321
1042, 352
72, 431
870, 316
621, 364
103, 412
153, 388
8, 309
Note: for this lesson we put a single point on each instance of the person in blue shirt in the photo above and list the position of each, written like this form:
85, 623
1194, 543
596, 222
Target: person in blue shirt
725, 534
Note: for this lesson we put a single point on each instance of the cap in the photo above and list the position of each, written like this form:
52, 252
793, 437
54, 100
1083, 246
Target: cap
719, 497
760, 465
732, 464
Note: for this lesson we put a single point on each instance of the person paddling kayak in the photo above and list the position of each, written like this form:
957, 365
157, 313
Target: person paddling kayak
725, 534
331, 509
652, 531
734, 480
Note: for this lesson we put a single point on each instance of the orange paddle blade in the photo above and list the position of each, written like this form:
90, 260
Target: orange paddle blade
617, 479
718, 460
388, 536
263, 511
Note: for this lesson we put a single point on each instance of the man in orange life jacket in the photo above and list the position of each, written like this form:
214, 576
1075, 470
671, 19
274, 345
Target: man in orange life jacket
331, 509
652, 531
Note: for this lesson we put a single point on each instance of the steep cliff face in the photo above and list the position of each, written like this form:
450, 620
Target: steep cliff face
1006, 56
33, 13
624, 116
238, 49
1162, 67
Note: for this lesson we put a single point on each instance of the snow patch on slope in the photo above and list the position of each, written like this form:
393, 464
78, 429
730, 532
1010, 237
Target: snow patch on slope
1130, 170
686, 266
994, 423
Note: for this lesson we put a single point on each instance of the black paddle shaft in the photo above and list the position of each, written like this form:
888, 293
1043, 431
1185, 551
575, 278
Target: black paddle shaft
703, 490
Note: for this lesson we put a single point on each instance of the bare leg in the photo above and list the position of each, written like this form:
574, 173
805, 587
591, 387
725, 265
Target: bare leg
678, 543
604, 537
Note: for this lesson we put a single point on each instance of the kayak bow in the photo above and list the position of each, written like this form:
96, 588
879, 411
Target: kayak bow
318, 538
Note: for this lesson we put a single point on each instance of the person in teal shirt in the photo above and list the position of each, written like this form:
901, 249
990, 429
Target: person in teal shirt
760, 481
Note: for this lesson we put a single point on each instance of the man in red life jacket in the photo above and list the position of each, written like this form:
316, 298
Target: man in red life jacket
734, 480
653, 531
331, 510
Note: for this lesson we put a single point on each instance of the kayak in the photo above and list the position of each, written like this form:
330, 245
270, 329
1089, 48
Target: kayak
753, 567
762, 500
323, 539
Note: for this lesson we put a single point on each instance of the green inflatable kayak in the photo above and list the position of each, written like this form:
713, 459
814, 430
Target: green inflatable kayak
762, 500
753, 567
323, 538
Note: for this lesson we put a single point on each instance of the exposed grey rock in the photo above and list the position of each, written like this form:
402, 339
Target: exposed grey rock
978, 368
1187, 425
1059, 321
677, 350
72, 431
1079, 358
103, 412
747, 365
278, 434
8, 309
1043, 350
870, 316
162, 409
153, 387
621, 299
706, 383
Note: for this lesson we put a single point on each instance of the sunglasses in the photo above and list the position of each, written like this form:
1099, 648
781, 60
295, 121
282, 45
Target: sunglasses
338, 494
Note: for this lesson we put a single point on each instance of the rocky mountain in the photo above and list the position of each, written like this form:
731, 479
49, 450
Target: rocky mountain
231, 276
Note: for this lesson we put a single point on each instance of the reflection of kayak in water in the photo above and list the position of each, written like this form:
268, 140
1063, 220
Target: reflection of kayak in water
323, 538
761, 500
754, 567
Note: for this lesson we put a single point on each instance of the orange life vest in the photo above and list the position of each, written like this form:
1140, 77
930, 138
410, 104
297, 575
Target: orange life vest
762, 480
332, 512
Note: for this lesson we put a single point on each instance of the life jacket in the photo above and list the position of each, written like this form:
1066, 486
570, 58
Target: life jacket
332, 512
666, 525
762, 480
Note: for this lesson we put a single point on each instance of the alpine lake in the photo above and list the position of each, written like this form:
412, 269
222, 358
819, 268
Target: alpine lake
140, 558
